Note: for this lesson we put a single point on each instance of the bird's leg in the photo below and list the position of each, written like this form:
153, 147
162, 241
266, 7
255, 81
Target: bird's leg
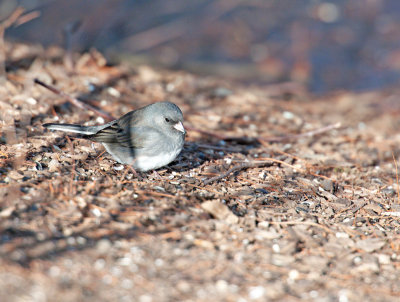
133, 171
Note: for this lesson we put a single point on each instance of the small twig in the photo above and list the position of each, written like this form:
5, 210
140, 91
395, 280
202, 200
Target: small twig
359, 207
13, 18
3, 26
76, 102
72, 186
27, 18
397, 179
101, 154
242, 166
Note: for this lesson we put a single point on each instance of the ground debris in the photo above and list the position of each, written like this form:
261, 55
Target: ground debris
271, 198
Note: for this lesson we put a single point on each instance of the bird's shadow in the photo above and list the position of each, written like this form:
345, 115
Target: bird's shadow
195, 154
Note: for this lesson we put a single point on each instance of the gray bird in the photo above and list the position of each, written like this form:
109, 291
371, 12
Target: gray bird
147, 138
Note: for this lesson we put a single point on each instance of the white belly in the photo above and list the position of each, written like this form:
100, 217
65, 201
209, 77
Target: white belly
140, 162
145, 163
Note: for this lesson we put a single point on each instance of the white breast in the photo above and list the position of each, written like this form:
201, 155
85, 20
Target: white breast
145, 163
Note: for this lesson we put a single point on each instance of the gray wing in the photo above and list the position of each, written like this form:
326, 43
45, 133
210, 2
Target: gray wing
129, 131
139, 137
131, 137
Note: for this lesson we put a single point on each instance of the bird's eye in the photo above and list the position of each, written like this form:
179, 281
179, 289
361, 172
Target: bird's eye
167, 120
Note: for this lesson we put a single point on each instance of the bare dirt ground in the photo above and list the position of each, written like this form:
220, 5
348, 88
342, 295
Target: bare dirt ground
308, 212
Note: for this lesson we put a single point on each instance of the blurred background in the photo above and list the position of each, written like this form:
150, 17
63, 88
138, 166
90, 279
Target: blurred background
325, 45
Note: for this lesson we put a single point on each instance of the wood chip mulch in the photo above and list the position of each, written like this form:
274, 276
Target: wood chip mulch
277, 196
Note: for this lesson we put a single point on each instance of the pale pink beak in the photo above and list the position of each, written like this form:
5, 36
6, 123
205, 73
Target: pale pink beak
179, 126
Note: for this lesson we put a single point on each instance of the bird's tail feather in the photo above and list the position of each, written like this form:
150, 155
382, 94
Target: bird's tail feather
73, 128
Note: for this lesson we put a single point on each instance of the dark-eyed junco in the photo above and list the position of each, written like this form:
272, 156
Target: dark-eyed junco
147, 138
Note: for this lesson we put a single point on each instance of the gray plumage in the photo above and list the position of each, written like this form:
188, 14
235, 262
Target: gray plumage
147, 138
